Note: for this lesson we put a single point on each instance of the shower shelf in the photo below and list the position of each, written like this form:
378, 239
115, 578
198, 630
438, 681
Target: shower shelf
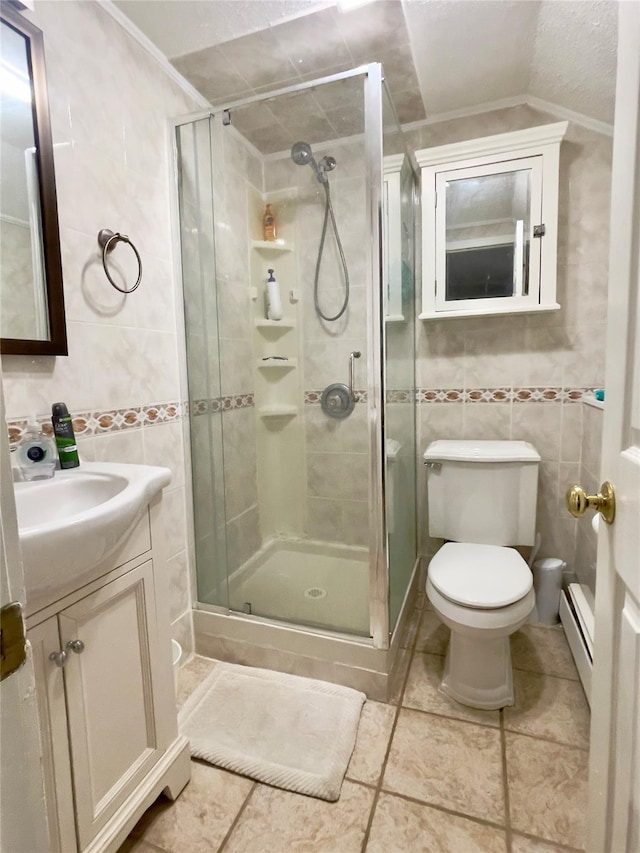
275, 324
270, 246
278, 411
277, 365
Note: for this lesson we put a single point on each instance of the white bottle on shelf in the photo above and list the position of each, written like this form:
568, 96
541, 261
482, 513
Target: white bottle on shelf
274, 303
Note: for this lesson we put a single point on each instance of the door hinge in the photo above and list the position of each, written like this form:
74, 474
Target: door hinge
539, 230
13, 640
226, 118
436, 201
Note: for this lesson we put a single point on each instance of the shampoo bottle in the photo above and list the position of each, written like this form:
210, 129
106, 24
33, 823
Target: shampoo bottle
36, 454
274, 304
65, 439
268, 224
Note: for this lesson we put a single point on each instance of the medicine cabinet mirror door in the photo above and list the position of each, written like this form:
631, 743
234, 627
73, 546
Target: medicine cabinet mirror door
32, 320
487, 255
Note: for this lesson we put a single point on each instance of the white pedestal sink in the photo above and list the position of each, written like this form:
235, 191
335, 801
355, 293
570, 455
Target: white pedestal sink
71, 523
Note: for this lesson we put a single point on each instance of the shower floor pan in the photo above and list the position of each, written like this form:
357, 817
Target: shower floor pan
319, 584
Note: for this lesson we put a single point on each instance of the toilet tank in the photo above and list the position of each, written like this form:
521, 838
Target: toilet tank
482, 491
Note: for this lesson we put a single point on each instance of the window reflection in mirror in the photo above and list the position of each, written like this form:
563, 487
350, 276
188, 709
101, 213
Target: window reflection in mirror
31, 300
487, 236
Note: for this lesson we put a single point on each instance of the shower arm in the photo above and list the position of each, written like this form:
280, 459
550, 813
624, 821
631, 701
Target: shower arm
355, 354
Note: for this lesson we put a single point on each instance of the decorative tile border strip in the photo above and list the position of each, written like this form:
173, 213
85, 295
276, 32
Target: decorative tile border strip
400, 395
87, 424
313, 397
220, 404
501, 395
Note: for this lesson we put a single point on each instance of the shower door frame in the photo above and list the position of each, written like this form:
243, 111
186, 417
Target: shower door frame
373, 138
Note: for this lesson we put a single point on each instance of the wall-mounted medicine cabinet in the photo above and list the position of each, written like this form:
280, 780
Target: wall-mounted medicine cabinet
490, 224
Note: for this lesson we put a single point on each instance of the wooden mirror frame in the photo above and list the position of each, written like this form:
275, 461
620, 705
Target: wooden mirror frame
57, 341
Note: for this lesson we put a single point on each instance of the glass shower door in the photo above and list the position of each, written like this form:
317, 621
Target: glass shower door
195, 197
399, 208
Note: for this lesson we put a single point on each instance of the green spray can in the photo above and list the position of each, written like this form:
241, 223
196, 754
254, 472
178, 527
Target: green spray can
65, 439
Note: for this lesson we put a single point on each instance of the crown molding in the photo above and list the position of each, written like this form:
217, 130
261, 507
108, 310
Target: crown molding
589, 123
516, 143
127, 24
516, 101
465, 112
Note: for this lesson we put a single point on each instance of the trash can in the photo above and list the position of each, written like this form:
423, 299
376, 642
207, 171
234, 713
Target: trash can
547, 583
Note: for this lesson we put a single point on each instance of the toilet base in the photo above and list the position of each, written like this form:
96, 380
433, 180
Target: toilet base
477, 671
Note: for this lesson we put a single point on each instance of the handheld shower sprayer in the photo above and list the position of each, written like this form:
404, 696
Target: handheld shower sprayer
302, 155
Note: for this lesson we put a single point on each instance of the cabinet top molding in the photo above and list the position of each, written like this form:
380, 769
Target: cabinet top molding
500, 143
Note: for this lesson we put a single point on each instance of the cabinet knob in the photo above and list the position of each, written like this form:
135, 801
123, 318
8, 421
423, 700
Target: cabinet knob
59, 658
76, 646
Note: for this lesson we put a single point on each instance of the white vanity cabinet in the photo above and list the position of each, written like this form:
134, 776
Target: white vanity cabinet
490, 224
106, 700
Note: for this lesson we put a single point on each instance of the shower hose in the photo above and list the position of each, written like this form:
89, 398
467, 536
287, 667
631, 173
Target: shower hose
328, 212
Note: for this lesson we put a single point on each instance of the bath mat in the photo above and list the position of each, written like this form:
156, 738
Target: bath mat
291, 732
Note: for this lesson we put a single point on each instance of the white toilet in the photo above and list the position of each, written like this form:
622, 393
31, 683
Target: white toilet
482, 499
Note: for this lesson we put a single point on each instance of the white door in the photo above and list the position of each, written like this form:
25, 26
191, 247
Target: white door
614, 811
23, 825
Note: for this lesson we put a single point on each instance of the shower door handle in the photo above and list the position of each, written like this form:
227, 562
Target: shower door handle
354, 354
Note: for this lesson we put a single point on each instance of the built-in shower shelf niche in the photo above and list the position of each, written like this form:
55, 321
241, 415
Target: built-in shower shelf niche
278, 411
274, 246
277, 365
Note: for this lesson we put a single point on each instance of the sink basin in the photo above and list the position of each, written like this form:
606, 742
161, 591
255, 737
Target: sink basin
70, 524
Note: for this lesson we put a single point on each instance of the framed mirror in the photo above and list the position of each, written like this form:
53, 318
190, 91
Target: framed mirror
32, 320
485, 225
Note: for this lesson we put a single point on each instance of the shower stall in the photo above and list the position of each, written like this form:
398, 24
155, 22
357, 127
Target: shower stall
299, 332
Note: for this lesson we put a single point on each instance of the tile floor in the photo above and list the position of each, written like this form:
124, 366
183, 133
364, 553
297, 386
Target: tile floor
427, 774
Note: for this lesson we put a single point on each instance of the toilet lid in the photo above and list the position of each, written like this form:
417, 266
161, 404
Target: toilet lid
483, 576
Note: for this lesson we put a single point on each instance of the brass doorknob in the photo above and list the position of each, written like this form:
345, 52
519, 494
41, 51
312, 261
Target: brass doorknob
578, 501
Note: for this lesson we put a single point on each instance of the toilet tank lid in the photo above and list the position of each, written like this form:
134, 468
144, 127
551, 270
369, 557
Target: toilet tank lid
481, 451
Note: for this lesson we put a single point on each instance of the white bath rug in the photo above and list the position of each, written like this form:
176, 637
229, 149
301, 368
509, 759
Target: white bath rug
291, 732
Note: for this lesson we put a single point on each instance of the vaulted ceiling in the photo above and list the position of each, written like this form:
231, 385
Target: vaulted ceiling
440, 56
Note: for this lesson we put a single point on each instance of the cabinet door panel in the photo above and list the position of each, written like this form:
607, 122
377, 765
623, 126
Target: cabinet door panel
45, 639
110, 701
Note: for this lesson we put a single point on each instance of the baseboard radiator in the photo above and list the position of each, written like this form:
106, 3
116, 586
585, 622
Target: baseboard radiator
576, 615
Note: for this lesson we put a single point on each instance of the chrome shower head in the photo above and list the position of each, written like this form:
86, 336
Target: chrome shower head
301, 154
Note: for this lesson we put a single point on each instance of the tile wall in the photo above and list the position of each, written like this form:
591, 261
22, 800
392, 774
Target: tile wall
325, 42
551, 356
109, 103
337, 451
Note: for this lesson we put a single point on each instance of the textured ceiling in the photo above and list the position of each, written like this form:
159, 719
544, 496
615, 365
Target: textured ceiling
574, 59
183, 26
445, 55
468, 52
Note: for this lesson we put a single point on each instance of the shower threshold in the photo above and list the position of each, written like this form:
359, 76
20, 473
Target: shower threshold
318, 584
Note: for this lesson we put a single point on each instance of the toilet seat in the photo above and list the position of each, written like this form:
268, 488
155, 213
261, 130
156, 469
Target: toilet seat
480, 576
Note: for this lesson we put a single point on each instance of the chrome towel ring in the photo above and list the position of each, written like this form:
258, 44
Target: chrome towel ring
107, 240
